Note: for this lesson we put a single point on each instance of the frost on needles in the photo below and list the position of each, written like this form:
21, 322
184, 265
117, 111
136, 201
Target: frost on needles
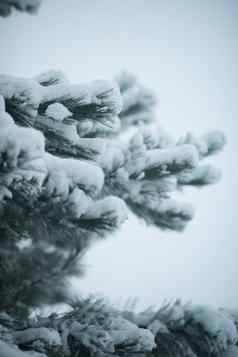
69, 175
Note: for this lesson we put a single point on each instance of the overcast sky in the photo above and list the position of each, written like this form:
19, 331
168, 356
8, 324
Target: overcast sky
187, 51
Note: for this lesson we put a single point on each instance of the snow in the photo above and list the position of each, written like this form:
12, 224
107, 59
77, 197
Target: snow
156, 137
173, 207
216, 324
78, 203
48, 335
5, 119
113, 156
19, 143
51, 77
67, 128
125, 332
2, 104
22, 144
162, 186
24, 243
23, 150
136, 157
103, 93
164, 212
65, 174
137, 141
106, 127
146, 341
111, 207
144, 317
10, 351
25, 157
32, 170
57, 111
13, 351
84, 127
157, 326
181, 157
27, 92
95, 145
93, 337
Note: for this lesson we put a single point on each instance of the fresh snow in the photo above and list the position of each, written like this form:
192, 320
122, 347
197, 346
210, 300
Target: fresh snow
10, 351
78, 203
69, 173
13, 351
93, 337
48, 335
125, 332
51, 77
26, 92
216, 324
103, 93
183, 156
57, 111
156, 137
111, 207
157, 326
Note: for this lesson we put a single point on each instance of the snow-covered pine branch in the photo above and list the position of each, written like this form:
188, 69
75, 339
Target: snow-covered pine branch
94, 328
52, 202
152, 166
67, 176
63, 167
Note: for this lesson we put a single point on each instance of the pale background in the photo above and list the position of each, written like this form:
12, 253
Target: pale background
187, 51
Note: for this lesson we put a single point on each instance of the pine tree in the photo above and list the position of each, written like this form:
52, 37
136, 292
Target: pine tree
69, 177
66, 178
74, 159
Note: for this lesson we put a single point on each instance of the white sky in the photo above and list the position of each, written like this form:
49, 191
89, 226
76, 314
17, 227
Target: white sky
187, 51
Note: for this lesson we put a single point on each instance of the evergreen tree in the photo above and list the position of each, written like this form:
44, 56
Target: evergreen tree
74, 159
68, 177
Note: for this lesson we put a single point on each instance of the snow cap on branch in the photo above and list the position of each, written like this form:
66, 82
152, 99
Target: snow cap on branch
51, 77
82, 174
58, 112
172, 160
105, 214
98, 100
24, 92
